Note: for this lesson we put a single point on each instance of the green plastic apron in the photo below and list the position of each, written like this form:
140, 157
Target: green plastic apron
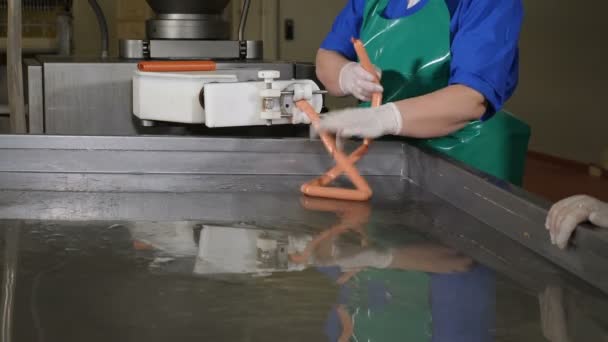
406, 313
414, 55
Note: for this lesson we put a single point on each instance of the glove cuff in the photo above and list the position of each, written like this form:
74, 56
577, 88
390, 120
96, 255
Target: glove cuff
396, 126
341, 78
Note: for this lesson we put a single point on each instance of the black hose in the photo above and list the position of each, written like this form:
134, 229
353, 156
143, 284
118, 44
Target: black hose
103, 28
243, 23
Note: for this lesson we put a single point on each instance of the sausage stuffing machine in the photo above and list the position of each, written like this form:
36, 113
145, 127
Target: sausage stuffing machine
97, 96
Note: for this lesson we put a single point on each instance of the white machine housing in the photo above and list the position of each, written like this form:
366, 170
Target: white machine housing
218, 99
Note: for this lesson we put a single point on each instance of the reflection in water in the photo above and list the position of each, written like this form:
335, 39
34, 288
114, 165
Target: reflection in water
390, 283
567, 316
9, 278
397, 287
355, 280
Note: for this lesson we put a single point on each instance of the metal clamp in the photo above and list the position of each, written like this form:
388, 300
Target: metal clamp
270, 97
297, 91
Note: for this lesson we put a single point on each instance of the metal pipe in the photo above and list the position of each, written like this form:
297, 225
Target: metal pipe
64, 33
103, 28
16, 95
315, 92
243, 23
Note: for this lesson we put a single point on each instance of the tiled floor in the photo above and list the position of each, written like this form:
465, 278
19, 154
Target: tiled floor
554, 181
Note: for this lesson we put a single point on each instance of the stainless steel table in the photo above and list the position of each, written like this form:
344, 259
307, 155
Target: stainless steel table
101, 181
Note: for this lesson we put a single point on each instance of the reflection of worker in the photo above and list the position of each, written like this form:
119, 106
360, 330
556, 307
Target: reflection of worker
385, 295
567, 214
448, 66
395, 285
403, 287
572, 315
452, 303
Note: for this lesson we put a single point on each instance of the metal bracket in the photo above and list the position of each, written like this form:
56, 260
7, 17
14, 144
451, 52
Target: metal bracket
243, 49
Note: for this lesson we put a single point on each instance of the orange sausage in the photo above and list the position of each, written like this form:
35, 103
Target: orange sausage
176, 66
348, 328
336, 171
353, 216
366, 63
318, 187
362, 192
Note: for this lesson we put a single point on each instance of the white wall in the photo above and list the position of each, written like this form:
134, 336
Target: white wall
564, 78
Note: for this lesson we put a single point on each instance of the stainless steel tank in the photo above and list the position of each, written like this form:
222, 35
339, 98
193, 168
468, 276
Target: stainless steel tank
188, 19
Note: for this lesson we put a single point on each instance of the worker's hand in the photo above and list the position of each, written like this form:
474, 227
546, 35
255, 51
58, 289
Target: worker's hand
364, 122
356, 81
567, 214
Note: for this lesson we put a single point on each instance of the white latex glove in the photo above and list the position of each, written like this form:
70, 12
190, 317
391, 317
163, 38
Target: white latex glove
351, 257
567, 214
364, 122
299, 117
356, 81
368, 258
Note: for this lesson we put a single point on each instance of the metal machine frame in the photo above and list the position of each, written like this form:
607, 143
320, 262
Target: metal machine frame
94, 96
182, 31
253, 180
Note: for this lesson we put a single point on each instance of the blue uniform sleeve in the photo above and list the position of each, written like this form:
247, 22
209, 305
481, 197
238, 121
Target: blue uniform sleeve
485, 55
464, 306
346, 26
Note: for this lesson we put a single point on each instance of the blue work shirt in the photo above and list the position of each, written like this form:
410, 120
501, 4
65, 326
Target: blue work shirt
484, 36
463, 305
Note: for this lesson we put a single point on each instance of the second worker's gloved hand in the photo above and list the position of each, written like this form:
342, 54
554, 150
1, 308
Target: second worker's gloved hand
567, 214
356, 81
364, 122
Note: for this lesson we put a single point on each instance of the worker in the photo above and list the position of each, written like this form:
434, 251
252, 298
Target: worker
567, 214
446, 66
